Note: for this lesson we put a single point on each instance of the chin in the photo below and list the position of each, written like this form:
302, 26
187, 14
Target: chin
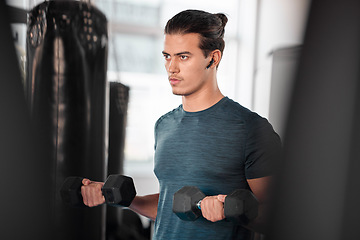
181, 92
177, 92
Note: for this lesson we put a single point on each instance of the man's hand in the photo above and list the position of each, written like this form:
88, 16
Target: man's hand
91, 193
212, 208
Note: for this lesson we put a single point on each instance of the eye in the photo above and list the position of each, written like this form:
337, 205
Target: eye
166, 56
184, 57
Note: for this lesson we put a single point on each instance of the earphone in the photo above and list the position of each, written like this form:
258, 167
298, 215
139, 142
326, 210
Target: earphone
211, 62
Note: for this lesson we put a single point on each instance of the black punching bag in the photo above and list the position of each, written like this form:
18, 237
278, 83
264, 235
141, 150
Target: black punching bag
25, 199
318, 191
66, 91
119, 98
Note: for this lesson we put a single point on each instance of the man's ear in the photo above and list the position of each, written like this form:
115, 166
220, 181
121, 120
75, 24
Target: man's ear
215, 58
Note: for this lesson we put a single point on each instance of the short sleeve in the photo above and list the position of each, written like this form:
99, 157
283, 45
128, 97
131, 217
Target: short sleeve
262, 148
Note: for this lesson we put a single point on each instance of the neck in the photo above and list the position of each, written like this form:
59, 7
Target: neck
199, 102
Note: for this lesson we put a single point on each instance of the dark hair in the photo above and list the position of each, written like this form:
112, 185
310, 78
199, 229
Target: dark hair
211, 28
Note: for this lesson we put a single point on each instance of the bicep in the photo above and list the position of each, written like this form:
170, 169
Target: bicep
260, 187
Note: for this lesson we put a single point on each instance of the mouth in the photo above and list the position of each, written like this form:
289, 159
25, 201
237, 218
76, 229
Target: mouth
174, 81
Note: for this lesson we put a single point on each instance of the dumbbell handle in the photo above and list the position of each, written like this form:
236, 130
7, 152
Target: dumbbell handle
198, 204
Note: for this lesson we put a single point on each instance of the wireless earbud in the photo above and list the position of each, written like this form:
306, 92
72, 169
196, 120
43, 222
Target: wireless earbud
211, 62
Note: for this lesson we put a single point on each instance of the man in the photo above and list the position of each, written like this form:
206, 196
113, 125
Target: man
209, 141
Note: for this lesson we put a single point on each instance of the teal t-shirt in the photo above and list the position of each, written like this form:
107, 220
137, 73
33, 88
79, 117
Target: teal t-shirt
217, 150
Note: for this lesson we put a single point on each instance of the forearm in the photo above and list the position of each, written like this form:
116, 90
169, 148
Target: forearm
146, 205
260, 223
261, 187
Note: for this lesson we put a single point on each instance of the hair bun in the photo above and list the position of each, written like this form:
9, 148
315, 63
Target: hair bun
223, 18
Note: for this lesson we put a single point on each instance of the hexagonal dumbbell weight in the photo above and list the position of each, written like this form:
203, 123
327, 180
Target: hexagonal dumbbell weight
240, 206
186, 203
70, 192
117, 190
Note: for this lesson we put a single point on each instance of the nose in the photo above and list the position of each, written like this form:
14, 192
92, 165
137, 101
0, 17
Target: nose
173, 66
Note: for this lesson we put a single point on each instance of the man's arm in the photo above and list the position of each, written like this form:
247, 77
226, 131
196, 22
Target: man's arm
260, 188
144, 205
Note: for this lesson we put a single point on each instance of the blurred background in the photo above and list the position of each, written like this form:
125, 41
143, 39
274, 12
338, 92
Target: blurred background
294, 62
262, 38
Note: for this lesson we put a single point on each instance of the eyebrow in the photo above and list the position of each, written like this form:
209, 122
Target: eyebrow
178, 54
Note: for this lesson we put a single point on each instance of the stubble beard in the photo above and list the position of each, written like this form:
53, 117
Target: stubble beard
178, 92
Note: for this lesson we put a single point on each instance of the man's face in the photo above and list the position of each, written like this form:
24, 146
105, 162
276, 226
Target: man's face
186, 64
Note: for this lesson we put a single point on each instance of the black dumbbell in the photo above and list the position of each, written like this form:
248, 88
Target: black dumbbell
186, 203
117, 190
240, 206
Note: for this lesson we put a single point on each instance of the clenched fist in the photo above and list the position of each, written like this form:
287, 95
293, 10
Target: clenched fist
91, 193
